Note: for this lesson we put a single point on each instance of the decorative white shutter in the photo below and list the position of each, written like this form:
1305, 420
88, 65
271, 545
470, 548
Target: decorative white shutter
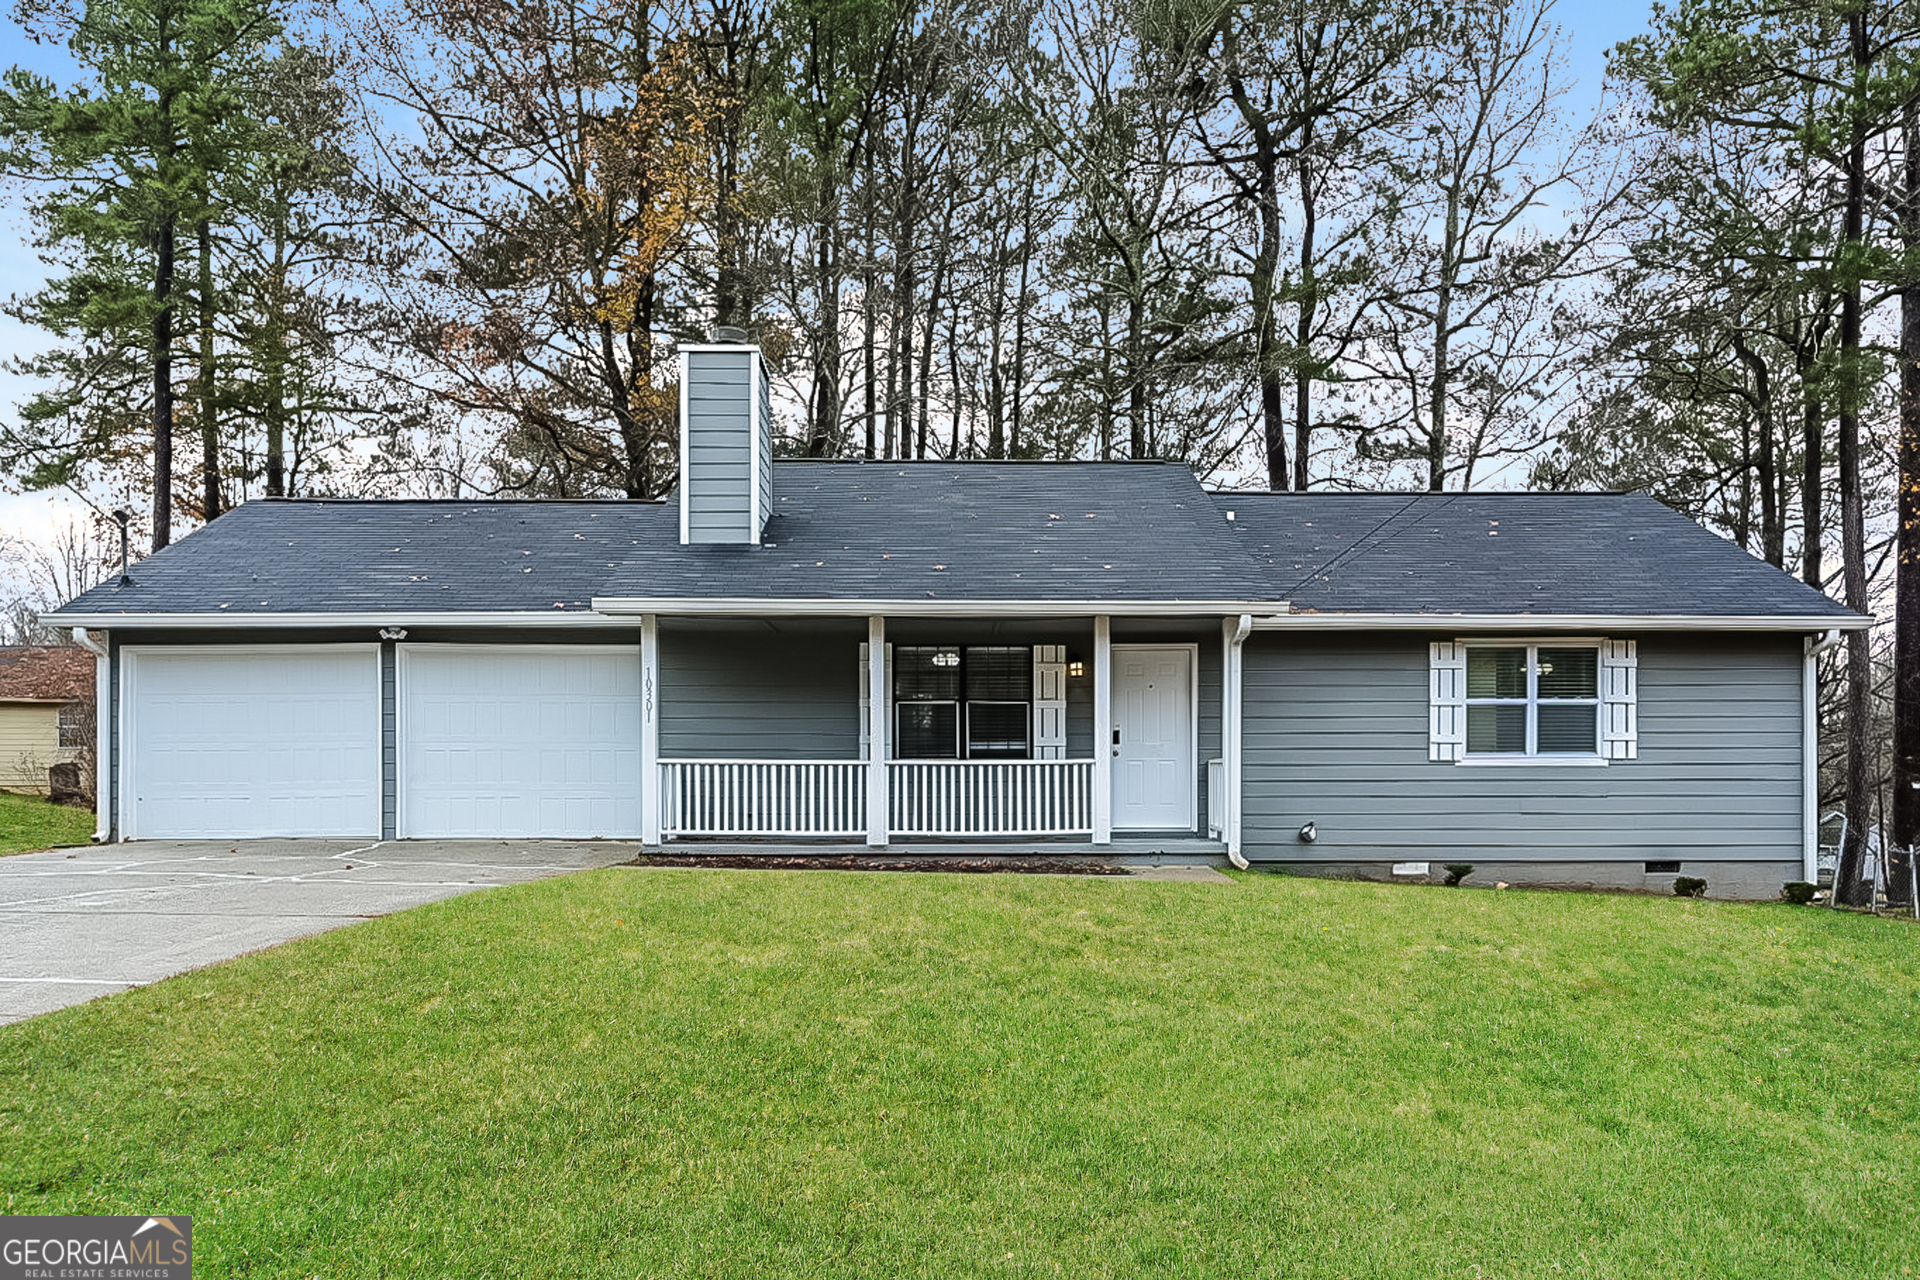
1049, 702
1447, 719
1619, 694
866, 699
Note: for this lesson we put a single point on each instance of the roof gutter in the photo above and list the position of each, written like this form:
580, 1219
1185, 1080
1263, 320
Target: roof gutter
1559, 622
1232, 725
756, 607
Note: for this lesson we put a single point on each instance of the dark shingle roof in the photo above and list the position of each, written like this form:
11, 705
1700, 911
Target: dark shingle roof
966, 531
339, 556
1506, 553
1035, 532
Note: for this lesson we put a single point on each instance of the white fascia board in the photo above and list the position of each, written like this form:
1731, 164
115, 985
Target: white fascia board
1539, 622
397, 618
759, 607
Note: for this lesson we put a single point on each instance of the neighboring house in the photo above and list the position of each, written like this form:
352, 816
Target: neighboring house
1557, 688
45, 712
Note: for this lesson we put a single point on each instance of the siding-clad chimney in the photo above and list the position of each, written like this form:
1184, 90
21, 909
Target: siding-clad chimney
726, 441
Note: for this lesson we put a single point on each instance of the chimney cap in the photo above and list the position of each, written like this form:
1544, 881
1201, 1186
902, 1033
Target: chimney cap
731, 333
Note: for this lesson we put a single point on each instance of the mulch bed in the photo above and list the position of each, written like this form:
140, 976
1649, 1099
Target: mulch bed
864, 862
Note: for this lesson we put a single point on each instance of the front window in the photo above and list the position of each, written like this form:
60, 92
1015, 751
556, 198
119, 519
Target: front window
955, 703
1533, 700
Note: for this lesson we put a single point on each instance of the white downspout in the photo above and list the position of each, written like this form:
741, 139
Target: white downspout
1810, 754
1230, 734
102, 734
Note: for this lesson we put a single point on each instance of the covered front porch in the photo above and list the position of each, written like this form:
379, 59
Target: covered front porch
1028, 734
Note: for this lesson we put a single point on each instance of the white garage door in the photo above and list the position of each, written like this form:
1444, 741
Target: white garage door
226, 743
533, 741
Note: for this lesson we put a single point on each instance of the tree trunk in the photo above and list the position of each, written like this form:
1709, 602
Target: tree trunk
163, 386
1020, 315
1303, 321
1136, 371
1813, 466
276, 358
1906, 613
825, 427
869, 316
1273, 418
211, 501
1847, 886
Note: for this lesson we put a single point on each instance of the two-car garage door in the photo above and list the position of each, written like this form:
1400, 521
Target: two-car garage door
286, 741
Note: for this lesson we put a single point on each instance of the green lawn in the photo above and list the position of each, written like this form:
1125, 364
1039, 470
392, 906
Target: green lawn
28, 822
671, 1073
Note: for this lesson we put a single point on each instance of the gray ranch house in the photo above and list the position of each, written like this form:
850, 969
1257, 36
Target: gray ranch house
1070, 657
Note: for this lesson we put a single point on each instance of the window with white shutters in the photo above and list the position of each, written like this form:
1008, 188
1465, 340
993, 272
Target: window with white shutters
1509, 700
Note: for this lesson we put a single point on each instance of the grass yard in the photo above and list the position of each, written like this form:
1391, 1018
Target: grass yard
685, 1073
29, 822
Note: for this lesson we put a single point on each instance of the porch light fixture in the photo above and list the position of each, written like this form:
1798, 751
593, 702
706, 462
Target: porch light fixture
393, 633
1076, 669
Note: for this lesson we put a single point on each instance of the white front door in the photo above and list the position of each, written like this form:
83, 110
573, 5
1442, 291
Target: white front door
1153, 757
504, 741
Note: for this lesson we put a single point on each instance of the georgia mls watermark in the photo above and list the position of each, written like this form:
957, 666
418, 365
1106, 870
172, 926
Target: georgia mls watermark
96, 1248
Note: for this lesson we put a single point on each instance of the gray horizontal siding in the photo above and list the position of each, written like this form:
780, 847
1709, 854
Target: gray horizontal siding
1336, 733
759, 694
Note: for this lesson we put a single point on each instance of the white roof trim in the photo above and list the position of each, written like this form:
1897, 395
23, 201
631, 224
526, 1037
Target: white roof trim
393, 618
614, 611
1461, 623
761, 607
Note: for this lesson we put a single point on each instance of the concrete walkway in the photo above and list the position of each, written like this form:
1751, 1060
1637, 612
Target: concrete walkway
81, 923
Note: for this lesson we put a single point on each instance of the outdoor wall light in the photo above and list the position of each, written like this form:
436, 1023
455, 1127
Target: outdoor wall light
1308, 835
1076, 669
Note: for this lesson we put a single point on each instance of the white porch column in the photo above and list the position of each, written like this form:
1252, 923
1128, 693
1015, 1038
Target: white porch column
1103, 749
878, 748
649, 728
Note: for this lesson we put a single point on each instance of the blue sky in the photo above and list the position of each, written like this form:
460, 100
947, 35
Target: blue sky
1591, 26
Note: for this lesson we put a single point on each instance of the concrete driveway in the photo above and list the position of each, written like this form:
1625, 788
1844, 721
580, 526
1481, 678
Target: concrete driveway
81, 923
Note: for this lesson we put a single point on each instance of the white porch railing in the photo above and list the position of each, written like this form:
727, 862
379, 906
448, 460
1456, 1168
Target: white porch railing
763, 798
990, 797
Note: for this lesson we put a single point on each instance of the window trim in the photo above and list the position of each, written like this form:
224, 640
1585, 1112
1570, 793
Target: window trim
1533, 755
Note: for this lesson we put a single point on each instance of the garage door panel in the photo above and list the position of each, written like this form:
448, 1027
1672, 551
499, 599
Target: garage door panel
520, 742
237, 743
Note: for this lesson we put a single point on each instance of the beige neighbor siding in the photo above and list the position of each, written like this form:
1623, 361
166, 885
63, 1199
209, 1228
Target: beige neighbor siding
29, 742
